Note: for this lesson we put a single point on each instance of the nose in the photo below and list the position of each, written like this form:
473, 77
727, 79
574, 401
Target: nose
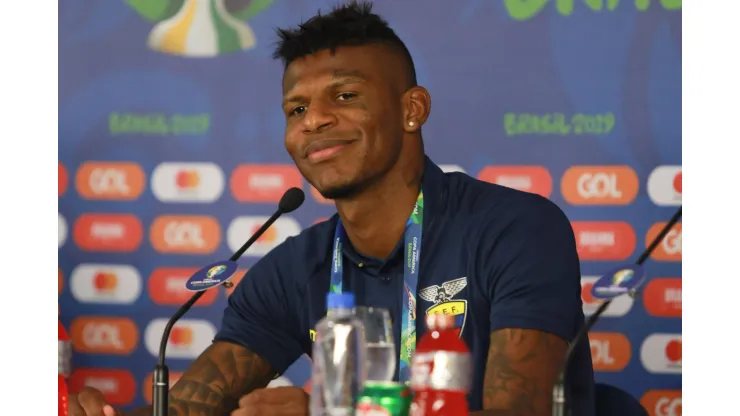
318, 118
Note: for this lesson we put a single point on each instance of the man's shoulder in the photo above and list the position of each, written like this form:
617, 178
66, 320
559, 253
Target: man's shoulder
486, 203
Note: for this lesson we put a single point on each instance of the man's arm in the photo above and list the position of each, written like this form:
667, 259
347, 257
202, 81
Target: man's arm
215, 381
521, 370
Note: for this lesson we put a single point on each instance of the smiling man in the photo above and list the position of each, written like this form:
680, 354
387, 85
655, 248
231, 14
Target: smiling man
503, 262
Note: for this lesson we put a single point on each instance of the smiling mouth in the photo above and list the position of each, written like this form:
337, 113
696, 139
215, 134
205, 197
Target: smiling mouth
322, 150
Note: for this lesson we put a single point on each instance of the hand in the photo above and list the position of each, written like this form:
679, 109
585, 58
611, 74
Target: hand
90, 402
276, 401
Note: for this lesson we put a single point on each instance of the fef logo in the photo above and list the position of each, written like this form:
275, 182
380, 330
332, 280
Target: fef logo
599, 185
105, 283
188, 338
662, 402
118, 386
199, 28
604, 240
108, 232
242, 227
62, 179
662, 297
188, 182
670, 248
263, 183
532, 179
101, 335
661, 353
443, 303
179, 234
664, 186
620, 305
610, 351
147, 385
167, 287
110, 180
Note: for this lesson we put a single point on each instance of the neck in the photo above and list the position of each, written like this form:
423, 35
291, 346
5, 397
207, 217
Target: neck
375, 219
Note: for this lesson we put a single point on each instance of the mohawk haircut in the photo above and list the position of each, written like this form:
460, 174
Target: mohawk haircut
352, 24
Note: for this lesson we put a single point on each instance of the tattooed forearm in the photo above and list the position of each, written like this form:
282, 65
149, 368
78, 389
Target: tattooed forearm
216, 381
521, 370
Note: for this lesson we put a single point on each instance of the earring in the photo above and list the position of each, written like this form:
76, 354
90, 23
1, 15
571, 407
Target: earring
411, 123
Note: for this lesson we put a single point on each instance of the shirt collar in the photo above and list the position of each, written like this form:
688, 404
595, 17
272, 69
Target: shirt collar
434, 186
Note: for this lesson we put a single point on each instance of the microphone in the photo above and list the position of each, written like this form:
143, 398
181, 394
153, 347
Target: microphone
625, 279
206, 278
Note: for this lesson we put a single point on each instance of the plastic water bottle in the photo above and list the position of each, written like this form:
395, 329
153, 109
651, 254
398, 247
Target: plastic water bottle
339, 352
441, 371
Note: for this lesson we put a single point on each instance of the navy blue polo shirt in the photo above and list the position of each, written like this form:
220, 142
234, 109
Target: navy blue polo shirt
510, 255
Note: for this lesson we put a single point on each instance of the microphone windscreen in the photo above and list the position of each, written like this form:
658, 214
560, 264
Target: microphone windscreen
291, 200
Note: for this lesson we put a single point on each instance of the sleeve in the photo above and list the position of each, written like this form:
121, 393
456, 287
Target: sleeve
533, 271
260, 314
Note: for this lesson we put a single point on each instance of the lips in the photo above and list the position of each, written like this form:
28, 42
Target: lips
323, 149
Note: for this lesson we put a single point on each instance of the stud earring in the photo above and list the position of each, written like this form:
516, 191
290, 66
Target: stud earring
411, 123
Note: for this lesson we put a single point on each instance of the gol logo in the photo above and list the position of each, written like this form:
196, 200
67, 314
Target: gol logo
662, 402
61, 280
670, 248
533, 179
185, 234
147, 386
167, 287
604, 240
662, 297
62, 178
599, 185
610, 351
238, 276
118, 386
110, 180
99, 335
320, 198
263, 183
108, 232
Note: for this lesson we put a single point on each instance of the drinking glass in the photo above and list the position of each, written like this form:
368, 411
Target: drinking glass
381, 351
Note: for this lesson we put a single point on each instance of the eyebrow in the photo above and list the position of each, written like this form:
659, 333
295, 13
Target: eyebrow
339, 78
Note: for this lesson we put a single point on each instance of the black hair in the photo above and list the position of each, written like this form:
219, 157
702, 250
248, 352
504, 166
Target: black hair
352, 24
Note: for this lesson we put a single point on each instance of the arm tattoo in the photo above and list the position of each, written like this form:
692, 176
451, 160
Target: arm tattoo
216, 381
521, 370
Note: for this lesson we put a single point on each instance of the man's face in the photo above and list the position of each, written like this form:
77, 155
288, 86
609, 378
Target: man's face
344, 116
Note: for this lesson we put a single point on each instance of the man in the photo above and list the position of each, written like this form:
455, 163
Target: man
507, 258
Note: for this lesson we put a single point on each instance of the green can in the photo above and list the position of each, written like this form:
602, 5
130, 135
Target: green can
384, 398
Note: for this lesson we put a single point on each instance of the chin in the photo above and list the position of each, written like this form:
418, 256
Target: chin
338, 191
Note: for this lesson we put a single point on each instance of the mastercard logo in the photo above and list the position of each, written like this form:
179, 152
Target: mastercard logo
187, 179
62, 178
181, 337
118, 386
105, 282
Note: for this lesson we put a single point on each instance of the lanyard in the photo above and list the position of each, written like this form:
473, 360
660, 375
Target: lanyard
412, 250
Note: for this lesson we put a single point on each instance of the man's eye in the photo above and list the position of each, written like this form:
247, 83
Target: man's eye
346, 96
296, 111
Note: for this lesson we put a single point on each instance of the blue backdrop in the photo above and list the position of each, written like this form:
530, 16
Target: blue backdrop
170, 147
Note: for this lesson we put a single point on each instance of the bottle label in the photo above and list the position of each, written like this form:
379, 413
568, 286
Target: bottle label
65, 358
441, 370
371, 409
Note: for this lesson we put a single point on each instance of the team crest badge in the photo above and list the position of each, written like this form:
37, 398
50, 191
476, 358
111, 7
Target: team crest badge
442, 298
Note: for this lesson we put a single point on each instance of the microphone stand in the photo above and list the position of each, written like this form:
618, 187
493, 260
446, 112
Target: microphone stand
559, 402
161, 376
